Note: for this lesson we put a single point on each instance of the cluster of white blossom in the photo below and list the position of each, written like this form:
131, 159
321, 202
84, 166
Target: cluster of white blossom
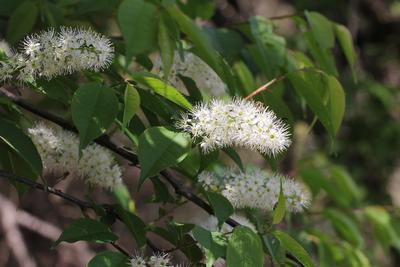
237, 122
50, 53
156, 260
256, 189
59, 151
190, 65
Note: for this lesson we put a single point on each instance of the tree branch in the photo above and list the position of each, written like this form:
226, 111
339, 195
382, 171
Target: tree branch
82, 204
104, 140
179, 190
275, 80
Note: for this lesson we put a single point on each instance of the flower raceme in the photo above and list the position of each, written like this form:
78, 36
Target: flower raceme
50, 53
156, 260
256, 189
238, 122
59, 150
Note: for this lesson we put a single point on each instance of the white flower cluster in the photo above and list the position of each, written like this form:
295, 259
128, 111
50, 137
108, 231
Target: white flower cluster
190, 65
50, 53
59, 150
256, 189
157, 260
238, 123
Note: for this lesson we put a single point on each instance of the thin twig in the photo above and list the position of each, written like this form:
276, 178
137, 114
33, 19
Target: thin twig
120, 249
273, 81
287, 16
13, 235
168, 212
264, 87
50, 190
103, 140
179, 190
188, 245
51, 232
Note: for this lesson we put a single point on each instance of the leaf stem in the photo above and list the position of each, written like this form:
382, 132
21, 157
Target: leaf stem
274, 81
265, 87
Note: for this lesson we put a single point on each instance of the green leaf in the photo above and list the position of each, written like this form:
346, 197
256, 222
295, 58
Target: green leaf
294, 248
344, 226
279, 212
123, 198
316, 179
321, 40
323, 57
211, 241
208, 159
274, 101
191, 164
160, 148
138, 21
177, 234
191, 87
344, 37
221, 206
7, 6
132, 104
245, 77
86, 229
109, 259
161, 192
227, 42
234, 156
274, 248
321, 28
344, 183
305, 87
18, 166
134, 224
196, 35
270, 49
194, 8
163, 89
167, 47
94, 107
329, 254
323, 94
244, 249
55, 88
336, 103
355, 256
384, 230
22, 21
21, 144
156, 105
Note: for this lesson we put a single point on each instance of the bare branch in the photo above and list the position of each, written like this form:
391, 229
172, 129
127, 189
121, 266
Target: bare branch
13, 235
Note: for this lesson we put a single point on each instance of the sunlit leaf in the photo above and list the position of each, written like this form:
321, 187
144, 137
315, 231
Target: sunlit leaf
160, 148
86, 229
244, 249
